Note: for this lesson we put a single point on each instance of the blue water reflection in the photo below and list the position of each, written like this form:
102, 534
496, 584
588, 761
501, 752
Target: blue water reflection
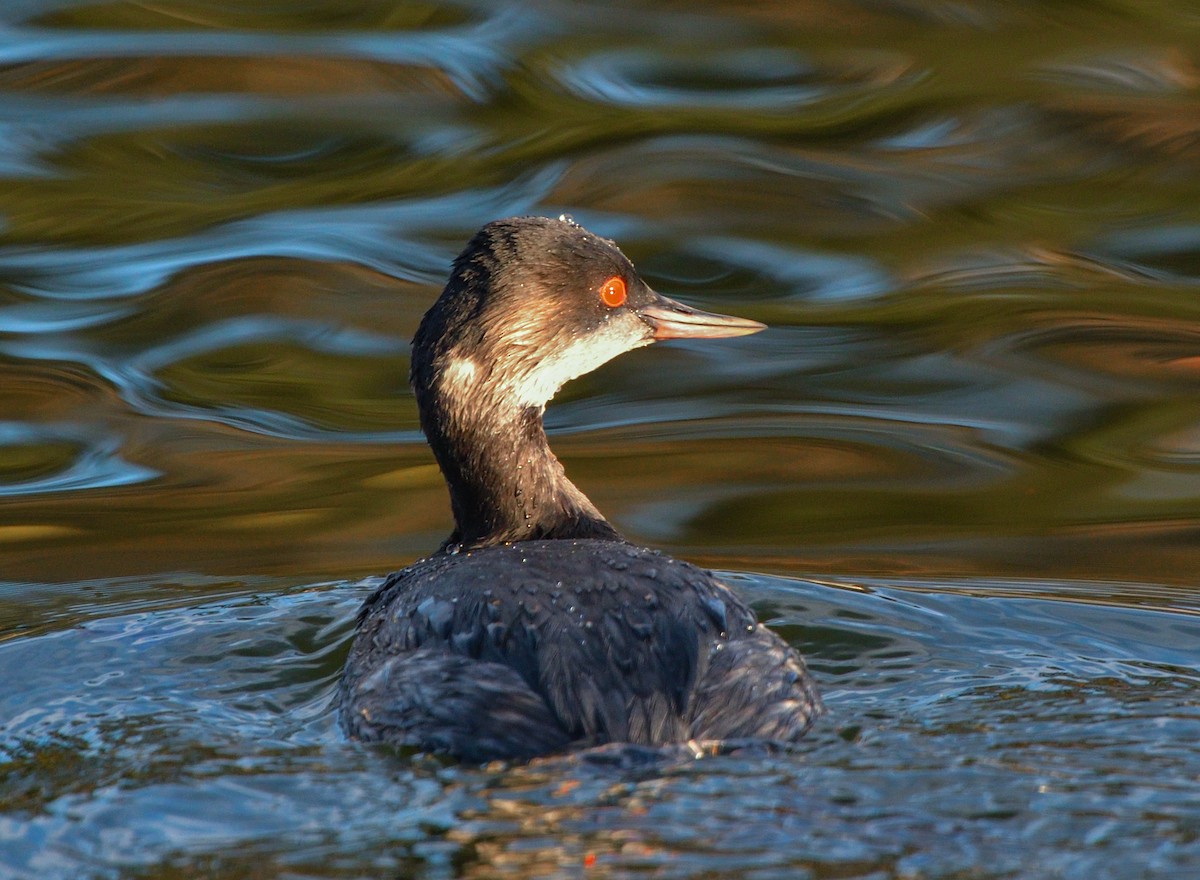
401, 239
95, 462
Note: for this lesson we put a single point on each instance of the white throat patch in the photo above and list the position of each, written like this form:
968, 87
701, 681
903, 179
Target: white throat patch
582, 356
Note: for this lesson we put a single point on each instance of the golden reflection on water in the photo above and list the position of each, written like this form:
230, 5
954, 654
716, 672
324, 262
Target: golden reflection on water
971, 228
270, 16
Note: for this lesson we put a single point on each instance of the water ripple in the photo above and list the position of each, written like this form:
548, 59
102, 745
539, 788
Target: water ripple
76, 457
58, 317
1167, 253
219, 724
804, 275
397, 238
1147, 73
471, 55
761, 79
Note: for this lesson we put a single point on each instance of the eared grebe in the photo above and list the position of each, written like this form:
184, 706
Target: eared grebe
536, 626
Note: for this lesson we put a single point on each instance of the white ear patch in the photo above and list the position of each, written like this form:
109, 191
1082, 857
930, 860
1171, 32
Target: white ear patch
461, 372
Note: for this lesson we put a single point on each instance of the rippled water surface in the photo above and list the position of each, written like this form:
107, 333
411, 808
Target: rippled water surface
961, 471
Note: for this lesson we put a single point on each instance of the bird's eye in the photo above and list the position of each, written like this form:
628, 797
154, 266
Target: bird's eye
612, 292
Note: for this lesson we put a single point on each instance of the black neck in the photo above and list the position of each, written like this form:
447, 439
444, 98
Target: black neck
505, 483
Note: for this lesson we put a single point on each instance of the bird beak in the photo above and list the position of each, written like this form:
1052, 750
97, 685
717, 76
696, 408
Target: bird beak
673, 320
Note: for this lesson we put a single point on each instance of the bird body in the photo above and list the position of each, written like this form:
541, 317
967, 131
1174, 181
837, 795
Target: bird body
536, 627
551, 643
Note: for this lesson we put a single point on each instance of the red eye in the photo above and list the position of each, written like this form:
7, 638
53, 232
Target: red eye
612, 292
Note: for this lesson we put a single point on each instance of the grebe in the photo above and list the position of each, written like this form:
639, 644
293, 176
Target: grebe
536, 627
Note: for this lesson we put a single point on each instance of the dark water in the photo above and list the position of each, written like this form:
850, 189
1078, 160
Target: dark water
961, 471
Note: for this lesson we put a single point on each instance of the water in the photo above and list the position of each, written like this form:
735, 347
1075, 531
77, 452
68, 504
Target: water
961, 471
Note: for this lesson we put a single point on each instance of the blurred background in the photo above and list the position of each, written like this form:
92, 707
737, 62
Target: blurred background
973, 227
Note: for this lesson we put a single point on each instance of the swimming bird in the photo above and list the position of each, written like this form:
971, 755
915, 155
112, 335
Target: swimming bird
536, 627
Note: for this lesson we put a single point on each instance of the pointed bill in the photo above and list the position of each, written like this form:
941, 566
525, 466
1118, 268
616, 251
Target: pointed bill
674, 320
